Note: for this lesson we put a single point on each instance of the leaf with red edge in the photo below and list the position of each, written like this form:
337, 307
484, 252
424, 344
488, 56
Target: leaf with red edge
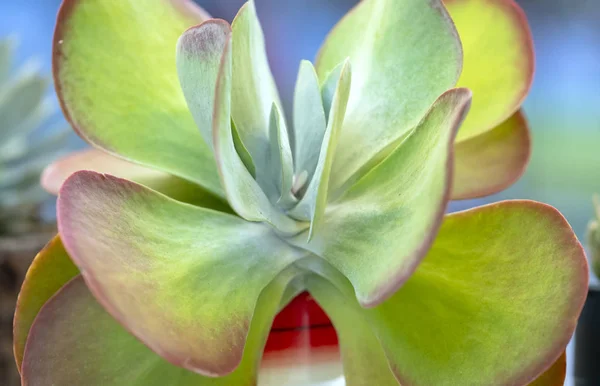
116, 78
98, 161
183, 279
491, 161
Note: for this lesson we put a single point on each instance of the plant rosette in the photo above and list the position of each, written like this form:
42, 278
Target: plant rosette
201, 214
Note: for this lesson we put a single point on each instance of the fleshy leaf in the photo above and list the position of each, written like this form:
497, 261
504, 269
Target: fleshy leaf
363, 358
498, 60
183, 279
492, 161
378, 232
253, 90
404, 54
199, 52
98, 161
243, 193
242, 151
312, 205
281, 162
73, 330
309, 119
499, 305
116, 77
50, 270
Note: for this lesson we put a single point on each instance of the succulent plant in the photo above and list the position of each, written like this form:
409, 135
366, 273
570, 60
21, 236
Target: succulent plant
170, 271
24, 108
593, 237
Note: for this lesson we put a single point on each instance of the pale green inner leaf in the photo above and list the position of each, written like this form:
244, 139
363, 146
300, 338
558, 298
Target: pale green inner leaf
309, 120
312, 205
253, 89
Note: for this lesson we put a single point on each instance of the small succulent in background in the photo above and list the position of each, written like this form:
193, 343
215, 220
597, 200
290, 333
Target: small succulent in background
29, 139
587, 338
24, 150
142, 288
593, 237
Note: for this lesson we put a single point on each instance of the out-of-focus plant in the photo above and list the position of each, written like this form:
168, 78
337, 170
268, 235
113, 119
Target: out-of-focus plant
25, 110
593, 237
24, 151
172, 274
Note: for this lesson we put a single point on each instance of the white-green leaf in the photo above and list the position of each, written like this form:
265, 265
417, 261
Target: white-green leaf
243, 193
199, 52
253, 88
312, 205
309, 120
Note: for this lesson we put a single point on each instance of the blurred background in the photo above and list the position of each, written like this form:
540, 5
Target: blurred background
563, 107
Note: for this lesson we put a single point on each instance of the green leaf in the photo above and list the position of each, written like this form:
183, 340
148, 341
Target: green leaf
199, 52
492, 161
309, 119
243, 193
329, 86
242, 151
98, 161
363, 358
497, 296
281, 161
498, 60
253, 90
404, 54
184, 280
378, 232
116, 77
73, 330
312, 205
50, 270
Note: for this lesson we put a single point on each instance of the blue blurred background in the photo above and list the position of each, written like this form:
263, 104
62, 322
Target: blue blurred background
563, 106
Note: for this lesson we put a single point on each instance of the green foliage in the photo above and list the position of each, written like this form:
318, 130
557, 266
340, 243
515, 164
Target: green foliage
24, 109
352, 209
593, 237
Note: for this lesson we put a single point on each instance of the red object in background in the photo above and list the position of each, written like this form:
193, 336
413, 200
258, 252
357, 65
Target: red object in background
302, 326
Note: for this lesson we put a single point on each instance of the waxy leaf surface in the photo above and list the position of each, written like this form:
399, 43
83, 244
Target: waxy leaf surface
313, 204
99, 161
404, 54
50, 270
116, 77
310, 120
491, 161
253, 89
484, 301
183, 279
199, 52
378, 232
243, 192
363, 358
493, 144
64, 341
498, 60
